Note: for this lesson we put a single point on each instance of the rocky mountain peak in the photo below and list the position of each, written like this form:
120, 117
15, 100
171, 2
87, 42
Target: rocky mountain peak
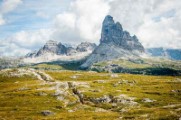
113, 33
86, 46
108, 20
58, 49
114, 43
110, 29
119, 26
52, 47
50, 43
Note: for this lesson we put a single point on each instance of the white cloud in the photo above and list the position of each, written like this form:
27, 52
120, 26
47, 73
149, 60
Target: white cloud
23, 42
65, 20
157, 23
2, 22
11, 49
6, 7
82, 22
9, 5
31, 39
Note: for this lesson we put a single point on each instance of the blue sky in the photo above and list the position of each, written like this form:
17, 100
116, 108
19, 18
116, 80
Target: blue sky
31, 15
25, 25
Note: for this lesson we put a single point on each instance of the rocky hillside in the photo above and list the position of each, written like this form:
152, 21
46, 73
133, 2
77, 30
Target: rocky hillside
114, 43
54, 51
113, 33
149, 66
85, 46
53, 47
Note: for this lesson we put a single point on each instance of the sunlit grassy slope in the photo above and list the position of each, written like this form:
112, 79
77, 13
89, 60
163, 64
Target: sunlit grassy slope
25, 96
143, 63
153, 66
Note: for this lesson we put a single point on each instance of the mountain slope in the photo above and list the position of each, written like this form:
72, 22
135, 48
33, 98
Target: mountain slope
52, 47
149, 66
53, 51
114, 43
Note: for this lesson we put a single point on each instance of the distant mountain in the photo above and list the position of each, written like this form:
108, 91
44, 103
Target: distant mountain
86, 46
118, 51
174, 54
52, 47
112, 33
53, 51
114, 43
9, 62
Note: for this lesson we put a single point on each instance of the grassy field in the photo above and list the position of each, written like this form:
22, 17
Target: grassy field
154, 66
143, 63
78, 95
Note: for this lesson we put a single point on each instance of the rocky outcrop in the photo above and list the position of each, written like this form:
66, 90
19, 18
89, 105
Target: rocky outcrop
112, 33
71, 51
54, 51
52, 47
31, 55
86, 46
46, 113
114, 43
55, 48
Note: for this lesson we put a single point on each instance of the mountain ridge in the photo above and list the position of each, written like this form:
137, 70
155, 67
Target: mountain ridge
114, 43
54, 51
173, 54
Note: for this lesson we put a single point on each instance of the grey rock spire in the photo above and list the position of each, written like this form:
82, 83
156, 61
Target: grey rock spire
113, 33
114, 43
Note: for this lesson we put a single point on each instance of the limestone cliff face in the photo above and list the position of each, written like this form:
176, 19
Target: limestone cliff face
56, 51
86, 46
55, 48
113, 33
114, 43
52, 47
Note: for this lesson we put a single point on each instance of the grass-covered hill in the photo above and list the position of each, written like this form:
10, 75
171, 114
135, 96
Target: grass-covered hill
31, 94
150, 66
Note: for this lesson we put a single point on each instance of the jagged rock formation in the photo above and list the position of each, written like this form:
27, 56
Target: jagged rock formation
52, 47
53, 51
71, 51
113, 33
114, 43
86, 46
174, 54
31, 55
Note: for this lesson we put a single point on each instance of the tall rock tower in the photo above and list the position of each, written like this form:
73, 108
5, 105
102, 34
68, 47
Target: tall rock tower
114, 43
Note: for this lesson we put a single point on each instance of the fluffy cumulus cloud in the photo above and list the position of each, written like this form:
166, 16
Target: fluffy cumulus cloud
157, 23
82, 22
11, 49
2, 21
23, 42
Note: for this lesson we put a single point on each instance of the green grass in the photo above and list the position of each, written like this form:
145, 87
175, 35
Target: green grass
18, 103
156, 66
